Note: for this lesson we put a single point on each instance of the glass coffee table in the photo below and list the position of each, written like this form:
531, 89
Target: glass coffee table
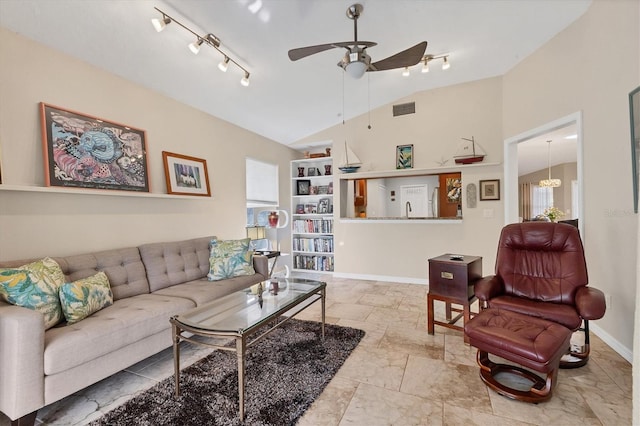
240, 315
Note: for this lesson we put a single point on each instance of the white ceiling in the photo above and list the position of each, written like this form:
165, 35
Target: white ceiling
286, 100
533, 154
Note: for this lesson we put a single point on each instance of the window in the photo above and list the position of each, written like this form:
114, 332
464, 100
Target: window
541, 199
262, 184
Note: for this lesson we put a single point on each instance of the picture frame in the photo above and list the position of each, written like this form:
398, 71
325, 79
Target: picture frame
490, 190
311, 208
303, 187
634, 121
323, 205
404, 156
453, 188
299, 208
186, 175
80, 150
311, 171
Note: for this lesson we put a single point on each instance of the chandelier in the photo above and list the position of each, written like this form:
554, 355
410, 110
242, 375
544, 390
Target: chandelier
549, 183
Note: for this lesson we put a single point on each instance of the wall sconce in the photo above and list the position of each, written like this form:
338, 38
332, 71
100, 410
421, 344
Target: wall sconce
209, 39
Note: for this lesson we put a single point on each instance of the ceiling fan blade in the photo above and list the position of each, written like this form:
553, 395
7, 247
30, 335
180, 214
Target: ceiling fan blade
303, 52
406, 58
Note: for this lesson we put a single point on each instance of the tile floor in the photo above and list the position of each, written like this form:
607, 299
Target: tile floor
398, 375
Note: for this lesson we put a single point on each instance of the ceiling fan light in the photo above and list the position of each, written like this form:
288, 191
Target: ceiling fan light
446, 65
245, 80
356, 69
159, 24
224, 64
195, 46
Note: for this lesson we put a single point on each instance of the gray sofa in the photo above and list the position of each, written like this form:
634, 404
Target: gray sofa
150, 283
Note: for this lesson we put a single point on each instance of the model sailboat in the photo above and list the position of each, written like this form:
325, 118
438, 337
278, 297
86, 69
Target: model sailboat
469, 152
349, 162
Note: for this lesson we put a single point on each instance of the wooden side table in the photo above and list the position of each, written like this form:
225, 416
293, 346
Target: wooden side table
451, 281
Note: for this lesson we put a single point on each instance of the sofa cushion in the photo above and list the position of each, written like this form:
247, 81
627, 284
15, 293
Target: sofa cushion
82, 298
230, 259
123, 267
202, 291
123, 323
173, 263
34, 286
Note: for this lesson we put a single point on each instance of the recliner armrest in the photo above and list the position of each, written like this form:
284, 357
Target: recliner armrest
488, 287
590, 303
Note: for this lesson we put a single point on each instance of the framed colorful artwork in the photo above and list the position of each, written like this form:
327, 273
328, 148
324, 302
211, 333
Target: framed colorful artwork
83, 151
490, 190
186, 175
404, 156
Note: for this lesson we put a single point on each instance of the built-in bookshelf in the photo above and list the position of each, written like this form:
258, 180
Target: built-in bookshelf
312, 243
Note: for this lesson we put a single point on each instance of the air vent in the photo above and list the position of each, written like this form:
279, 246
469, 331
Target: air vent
404, 109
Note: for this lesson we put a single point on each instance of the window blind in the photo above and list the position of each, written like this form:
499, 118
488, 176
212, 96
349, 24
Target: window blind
262, 183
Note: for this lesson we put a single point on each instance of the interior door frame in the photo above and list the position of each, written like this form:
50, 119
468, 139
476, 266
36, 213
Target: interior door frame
511, 166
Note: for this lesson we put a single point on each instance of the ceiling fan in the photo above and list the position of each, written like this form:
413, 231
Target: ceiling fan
356, 61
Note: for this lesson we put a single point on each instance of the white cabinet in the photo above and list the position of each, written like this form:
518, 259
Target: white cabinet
312, 214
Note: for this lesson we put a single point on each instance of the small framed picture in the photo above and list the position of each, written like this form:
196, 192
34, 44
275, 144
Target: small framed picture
490, 190
186, 175
311, 171
313, 190
311, 208
323, 205
303, 187
404, 156
299, 208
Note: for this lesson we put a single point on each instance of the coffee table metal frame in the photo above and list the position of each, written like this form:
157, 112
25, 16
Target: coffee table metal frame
311, 291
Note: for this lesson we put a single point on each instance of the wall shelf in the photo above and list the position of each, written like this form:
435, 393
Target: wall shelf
88, 191
372, 174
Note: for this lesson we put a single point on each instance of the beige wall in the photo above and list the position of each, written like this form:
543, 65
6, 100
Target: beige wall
36, 224
399, 251
563, 77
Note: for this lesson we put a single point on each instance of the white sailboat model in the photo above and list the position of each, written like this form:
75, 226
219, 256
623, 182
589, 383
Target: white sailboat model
349, 162
469, 152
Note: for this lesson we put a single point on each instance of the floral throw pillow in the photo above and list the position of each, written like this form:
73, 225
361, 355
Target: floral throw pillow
34, 286
84, 297
229, 259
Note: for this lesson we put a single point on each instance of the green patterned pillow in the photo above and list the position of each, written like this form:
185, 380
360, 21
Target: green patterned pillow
82, 298
34, 286
229, 259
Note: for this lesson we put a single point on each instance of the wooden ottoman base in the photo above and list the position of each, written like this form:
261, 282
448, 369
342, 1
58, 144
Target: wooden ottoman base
532, 343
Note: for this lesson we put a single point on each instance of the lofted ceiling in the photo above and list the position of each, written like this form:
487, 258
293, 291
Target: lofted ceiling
286, 100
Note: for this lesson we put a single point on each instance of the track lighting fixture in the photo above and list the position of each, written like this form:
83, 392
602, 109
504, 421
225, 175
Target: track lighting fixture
159, 24
222, 66
210, 40
195, 46
406, 72
428, 58
245, 79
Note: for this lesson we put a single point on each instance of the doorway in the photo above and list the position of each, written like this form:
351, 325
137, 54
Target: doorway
512, 166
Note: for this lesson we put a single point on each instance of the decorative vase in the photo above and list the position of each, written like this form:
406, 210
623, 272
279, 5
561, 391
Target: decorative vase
327, 169
273, 219
300, 171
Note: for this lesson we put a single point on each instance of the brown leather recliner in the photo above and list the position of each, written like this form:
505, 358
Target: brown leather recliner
541, 272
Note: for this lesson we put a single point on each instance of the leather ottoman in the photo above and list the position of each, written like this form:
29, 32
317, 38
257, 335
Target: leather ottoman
534, 343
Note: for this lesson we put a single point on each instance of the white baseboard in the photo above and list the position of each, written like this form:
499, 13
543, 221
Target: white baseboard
622, 350
385, 278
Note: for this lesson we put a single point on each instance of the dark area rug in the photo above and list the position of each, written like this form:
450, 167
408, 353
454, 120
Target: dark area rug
285, 373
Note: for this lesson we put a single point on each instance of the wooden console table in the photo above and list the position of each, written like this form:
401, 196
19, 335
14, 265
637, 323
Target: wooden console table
451, 280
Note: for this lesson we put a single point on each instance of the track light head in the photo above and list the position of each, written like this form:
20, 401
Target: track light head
245, 79
195, 46
425, 66
446, 65
159, 24
406, 72
224, 64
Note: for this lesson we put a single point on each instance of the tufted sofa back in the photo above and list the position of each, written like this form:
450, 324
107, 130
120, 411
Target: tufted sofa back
541, 261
